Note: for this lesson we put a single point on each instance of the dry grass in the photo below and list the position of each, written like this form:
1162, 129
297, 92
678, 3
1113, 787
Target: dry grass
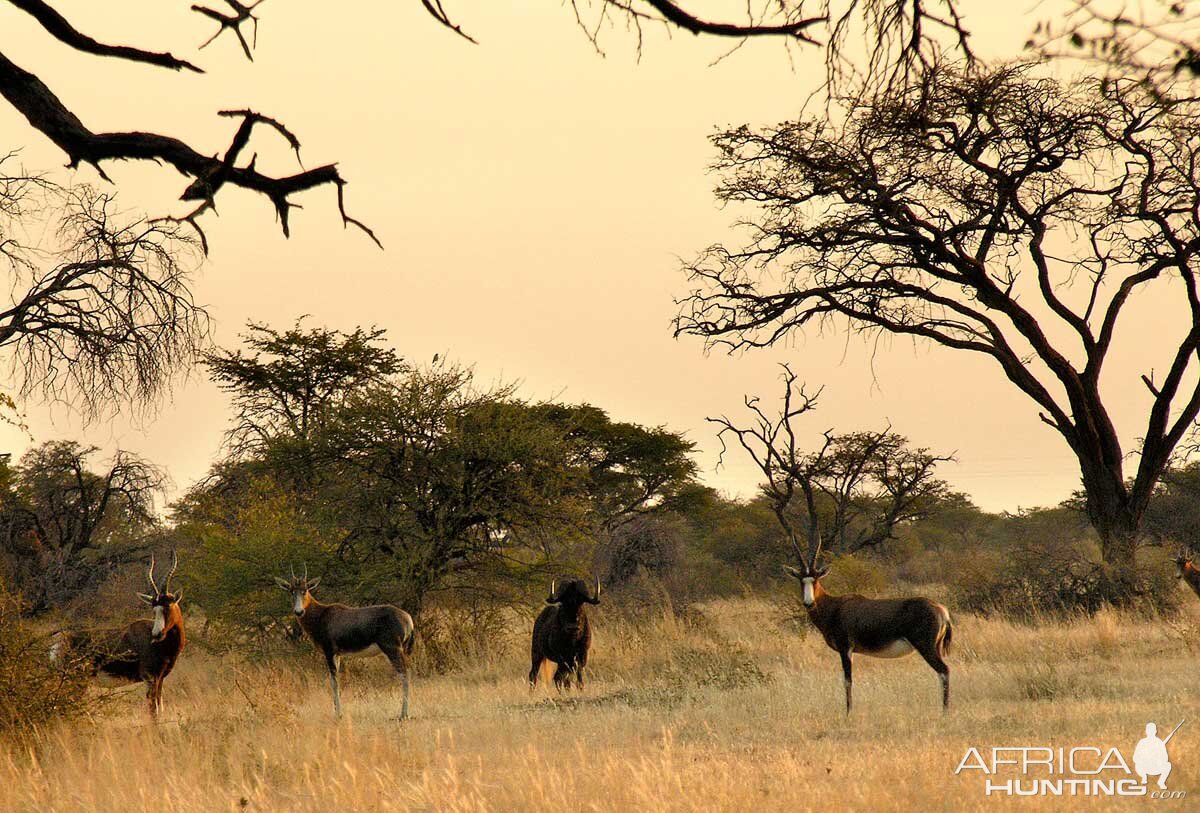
740, 710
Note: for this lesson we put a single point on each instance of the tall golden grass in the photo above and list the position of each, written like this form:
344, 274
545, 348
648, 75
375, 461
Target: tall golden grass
737, 709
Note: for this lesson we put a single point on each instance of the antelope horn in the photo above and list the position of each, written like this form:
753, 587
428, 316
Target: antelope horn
292, 568
596, 597
553, 591
306, 571
150, 575
815, 545
174, 566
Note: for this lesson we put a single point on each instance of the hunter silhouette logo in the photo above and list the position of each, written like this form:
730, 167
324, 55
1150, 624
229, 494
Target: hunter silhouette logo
1085, 770
1150, 756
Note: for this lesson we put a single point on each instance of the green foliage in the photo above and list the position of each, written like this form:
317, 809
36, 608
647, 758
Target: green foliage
263, 533
285, 382
406, 483
1174, 514
856, 574
1047, 562
628, 470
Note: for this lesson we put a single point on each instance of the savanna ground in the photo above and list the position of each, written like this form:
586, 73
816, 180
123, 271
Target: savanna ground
736, 707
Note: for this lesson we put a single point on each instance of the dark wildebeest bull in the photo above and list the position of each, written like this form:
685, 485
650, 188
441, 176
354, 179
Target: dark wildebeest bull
562, 633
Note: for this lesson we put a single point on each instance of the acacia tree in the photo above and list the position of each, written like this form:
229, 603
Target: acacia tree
65, 526
996, 213
628, 471
284, 383
856, 488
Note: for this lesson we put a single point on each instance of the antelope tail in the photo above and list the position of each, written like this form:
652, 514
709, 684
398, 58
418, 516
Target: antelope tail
947, 634
409, 639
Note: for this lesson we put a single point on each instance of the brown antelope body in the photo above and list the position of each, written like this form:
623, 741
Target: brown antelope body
883, 628
145, 651
1187, 571
339, 631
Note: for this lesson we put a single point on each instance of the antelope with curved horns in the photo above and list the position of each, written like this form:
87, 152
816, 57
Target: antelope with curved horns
1187, 571
145, 651
883, 628
340, 631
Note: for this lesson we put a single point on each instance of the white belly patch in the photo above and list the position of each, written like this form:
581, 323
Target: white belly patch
896, 649
369, 652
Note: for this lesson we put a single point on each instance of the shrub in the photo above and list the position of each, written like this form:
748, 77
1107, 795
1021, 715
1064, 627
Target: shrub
856, 574
35, 691
1061, 581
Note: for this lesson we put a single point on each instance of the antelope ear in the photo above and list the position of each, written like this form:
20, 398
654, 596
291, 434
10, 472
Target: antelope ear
822, 572
146, 598
178, 596
793, 572
282, 584
313, 584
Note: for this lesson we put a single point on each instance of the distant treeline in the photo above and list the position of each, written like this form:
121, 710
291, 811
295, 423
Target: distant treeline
415, 484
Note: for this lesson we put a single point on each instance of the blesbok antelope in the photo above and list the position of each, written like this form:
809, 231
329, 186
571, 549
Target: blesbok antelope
1187, 571
145, 651
562, 633
883, 628
341, 631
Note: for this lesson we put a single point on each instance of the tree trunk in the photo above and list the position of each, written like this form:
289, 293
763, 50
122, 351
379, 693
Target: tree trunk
1117, 522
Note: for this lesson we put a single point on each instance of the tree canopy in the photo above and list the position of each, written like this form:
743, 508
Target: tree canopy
995, 212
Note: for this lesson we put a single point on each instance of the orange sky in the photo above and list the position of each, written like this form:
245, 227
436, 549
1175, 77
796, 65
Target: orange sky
534, 199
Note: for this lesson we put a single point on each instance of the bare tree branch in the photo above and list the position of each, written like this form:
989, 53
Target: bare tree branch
58, 26
928, 212
101, 312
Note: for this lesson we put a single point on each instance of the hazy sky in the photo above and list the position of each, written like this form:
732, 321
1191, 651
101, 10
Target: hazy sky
534, 199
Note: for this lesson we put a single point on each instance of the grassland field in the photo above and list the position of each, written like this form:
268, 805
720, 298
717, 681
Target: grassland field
736, 707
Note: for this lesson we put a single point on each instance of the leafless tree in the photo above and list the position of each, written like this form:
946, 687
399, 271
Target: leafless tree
903, 33
856, 488
99, 310
998, 213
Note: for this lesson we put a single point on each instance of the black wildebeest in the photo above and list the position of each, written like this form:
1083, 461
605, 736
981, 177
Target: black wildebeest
145, 651
562, 633
884, 628
340, 631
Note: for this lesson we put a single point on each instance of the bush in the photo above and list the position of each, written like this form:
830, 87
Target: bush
35, 691
856, 574
1060, 581
448, 639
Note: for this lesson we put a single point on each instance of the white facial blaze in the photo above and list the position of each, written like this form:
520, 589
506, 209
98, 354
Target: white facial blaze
298, 603
160, 621
808, 591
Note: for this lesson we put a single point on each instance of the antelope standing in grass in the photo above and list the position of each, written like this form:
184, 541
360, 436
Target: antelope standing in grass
340, 631
1187, 571
883, 628
145, 651
563, 634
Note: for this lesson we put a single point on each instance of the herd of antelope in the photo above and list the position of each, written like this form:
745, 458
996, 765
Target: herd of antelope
146, 650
